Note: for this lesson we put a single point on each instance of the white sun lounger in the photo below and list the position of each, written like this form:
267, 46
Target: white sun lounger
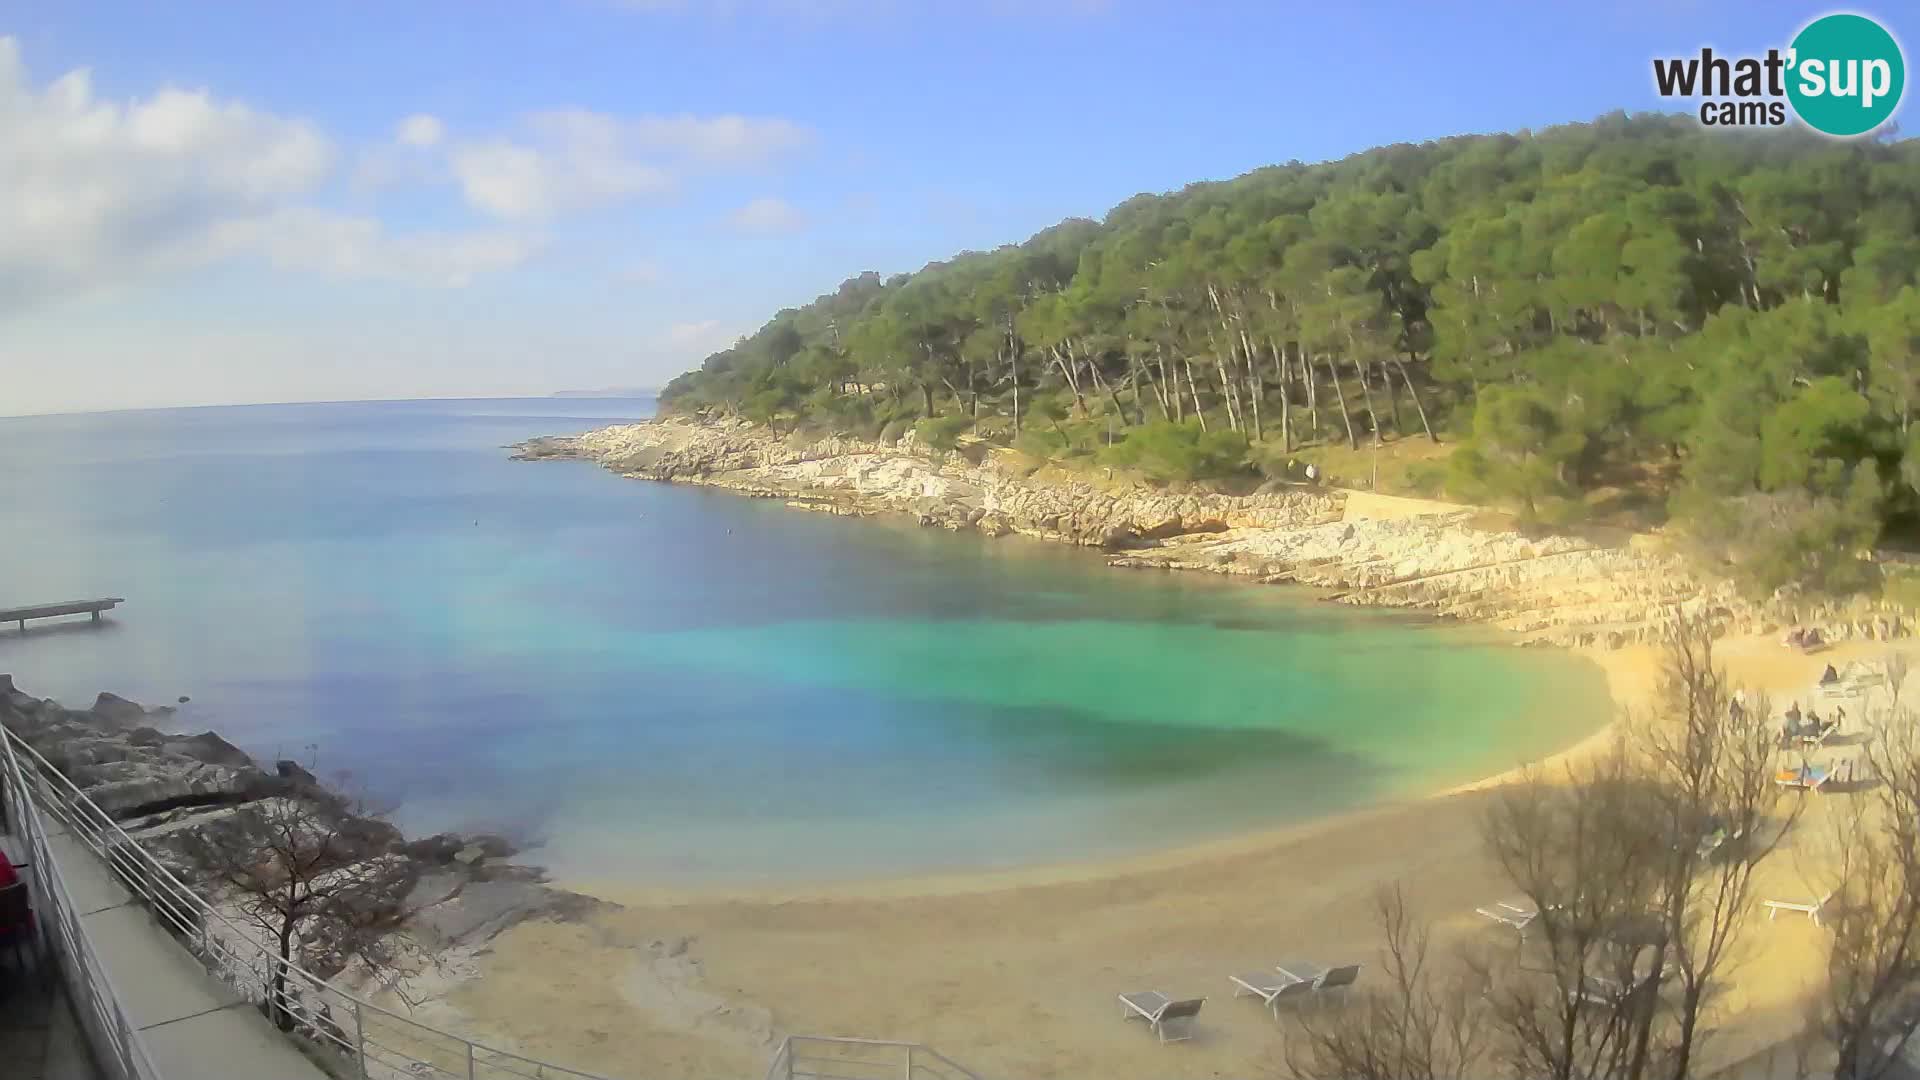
1810, 910
1271, 988
1318, 979
1162, 1013
1519, 916
1304, 971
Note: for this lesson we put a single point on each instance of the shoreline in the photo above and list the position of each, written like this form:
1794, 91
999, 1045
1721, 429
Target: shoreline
1012, 973
1595, 587
1616, 667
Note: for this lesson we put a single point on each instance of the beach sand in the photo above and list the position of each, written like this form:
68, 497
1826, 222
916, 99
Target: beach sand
1015, 975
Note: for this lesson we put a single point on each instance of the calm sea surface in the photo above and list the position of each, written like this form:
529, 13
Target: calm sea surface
667, 685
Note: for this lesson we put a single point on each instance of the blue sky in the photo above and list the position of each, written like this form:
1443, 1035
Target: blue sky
259, 202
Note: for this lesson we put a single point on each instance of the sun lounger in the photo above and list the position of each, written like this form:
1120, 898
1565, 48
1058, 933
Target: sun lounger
1271, 988
1605, 990
1715, 840
1810, 910
1320, 980
1810, 777
1300, 970
1337, 979
1516, 915
1162, 1013
1818, 736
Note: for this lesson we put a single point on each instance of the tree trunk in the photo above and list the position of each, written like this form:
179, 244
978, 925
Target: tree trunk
926, 392
1340, 395
1198, 412
1256, 389
1313, 387
1229, 392
1366, 396
1071, 374
1159, 388
1286, 405
277, 997
1393, 396
1689, 1023
1415, 395
1013, 358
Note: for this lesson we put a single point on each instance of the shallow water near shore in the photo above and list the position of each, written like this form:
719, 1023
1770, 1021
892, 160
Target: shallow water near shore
669, 685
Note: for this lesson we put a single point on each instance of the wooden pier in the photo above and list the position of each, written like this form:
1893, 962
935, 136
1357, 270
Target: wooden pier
49, 611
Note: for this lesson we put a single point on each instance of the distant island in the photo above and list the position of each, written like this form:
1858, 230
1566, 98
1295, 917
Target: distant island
607, 392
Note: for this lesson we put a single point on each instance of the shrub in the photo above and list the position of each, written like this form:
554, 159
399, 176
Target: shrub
942, 432
1167, 451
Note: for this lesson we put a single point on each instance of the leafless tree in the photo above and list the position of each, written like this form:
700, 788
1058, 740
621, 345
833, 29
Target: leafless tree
1711, 761
1586, 849
1895, 666
313, 874
1420, 1027
1870, 1011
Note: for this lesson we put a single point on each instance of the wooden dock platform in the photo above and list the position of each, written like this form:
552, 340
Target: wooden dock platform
48, 611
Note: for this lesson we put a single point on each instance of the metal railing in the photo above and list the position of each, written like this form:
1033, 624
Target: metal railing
348, 1036
825, 1057
98, 1005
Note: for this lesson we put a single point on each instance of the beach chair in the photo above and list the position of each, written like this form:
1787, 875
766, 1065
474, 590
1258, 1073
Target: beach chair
1162, 1013
1305, 971
1806, 777
1818, 737
1335, 981
1810, 910
1270, 988
1519, 916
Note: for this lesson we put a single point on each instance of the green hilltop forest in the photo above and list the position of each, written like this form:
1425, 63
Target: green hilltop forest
1634, 320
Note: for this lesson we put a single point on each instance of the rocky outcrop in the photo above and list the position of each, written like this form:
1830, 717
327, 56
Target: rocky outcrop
167, 789
1565, 590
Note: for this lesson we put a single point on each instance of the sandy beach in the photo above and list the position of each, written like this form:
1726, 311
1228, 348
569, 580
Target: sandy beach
1015, 974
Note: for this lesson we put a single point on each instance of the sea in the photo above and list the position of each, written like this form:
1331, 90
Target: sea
661, 685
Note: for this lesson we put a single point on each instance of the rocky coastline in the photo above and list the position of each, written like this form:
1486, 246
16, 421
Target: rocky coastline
1594, 588
449, 895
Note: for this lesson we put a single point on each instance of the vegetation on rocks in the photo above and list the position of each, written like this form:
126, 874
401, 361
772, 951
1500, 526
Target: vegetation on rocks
1635, 319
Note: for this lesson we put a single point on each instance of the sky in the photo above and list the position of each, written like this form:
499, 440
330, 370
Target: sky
216, 203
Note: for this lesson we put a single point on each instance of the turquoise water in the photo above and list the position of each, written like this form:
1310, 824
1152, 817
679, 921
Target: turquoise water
667, 685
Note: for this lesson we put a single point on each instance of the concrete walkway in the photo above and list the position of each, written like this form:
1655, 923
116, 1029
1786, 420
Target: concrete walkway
193, 1024
39, 1036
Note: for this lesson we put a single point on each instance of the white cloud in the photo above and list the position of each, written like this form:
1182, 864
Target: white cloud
576, 159
99, 193
768, 215
420, 129
728, 140
512, 180
328, 243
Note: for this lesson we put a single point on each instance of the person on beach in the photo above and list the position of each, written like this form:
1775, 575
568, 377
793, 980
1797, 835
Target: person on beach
1829, 676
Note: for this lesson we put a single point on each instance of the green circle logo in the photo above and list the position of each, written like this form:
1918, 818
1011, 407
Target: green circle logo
1846, 76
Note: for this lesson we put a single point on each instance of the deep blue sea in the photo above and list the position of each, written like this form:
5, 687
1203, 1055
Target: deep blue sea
666, 685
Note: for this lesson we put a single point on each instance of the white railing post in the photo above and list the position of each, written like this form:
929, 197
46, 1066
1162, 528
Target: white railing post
469, 1061
360, 1038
